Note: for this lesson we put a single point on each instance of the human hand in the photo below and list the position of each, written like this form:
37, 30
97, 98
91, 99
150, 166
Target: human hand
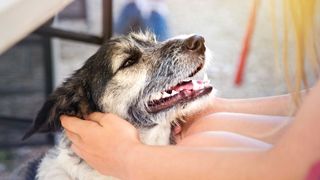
103, 141
211, 105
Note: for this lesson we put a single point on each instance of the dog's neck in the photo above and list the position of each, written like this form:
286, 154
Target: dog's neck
62, 163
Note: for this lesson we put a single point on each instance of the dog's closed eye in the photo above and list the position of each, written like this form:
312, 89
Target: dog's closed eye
128, 62
131, 60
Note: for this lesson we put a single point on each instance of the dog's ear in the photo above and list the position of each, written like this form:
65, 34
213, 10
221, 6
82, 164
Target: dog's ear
70, 99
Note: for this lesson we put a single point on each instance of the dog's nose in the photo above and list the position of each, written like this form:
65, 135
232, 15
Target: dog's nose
195, 43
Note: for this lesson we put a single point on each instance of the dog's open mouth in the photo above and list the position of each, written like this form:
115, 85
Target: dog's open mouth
185, 91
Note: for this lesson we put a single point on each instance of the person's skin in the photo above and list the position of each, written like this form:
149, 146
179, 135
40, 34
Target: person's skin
263, 127
263, 118
274, 105
290, 158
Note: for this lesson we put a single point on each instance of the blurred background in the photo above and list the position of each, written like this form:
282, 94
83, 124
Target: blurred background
24, 69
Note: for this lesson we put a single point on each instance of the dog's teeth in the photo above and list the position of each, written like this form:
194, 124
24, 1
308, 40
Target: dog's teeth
186, 80
196, 85
174, 92
165, 95
206, 80
156, 96
205, 77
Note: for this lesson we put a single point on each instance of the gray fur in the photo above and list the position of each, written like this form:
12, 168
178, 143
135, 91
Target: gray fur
105, 84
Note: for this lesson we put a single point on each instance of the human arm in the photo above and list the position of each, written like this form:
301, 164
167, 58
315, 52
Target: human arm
262, 127
274, 105
264, 118
120, 153
280, 105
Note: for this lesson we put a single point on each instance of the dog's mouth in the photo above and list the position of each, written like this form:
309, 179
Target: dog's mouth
184, 91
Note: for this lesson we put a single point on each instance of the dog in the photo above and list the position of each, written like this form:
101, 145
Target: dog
150, 84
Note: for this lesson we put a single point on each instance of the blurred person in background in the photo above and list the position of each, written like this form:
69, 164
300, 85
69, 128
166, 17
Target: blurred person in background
144, 15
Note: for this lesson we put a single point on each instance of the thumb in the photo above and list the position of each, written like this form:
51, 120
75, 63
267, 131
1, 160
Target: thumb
96, 117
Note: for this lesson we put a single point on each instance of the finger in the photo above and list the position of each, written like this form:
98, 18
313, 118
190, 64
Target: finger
102, 118
76, 150
80, 152
84, 147
96, 116
86, 155
74, 124
94, 161
74, 138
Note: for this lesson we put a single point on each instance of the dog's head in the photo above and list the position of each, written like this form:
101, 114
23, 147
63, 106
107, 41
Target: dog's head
133, 76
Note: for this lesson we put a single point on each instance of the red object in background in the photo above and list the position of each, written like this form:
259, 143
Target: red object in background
246, 44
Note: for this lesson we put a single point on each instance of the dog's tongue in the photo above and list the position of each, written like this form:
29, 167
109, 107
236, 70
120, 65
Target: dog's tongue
183, 85
189, 85
183, 92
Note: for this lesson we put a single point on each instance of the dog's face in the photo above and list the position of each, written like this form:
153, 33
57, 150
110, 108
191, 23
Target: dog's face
133, 76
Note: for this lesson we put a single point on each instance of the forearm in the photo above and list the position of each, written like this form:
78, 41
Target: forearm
263, 127
155, 162
274, 105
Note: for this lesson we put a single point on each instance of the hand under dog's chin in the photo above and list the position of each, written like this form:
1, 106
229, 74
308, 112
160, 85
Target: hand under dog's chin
194, 108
